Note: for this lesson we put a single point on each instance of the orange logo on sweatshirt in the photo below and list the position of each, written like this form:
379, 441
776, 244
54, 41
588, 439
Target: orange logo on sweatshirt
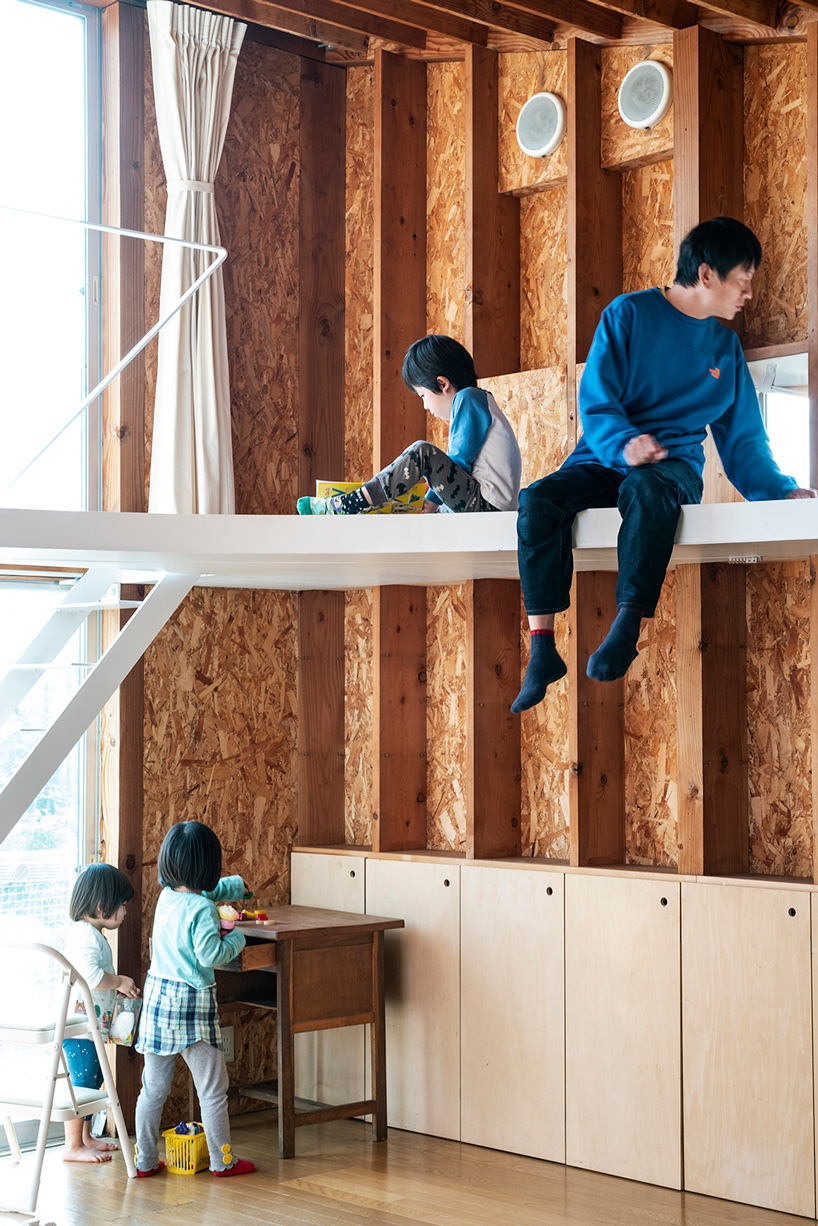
715, 372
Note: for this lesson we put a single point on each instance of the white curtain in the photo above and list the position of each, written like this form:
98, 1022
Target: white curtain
194, 57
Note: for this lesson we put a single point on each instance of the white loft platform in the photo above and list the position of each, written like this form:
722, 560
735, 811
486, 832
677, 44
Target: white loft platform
289, 552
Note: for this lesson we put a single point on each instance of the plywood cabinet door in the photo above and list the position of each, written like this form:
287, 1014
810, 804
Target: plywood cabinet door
422, 992
329, 1064
512, 1010
748, 1081
622, 1027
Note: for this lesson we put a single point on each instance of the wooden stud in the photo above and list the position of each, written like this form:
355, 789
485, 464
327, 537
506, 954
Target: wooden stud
711, 679
123, 469
493, 770
596, 730
321, 257
492, 229
812, 248
320, 718
399, 719
377, 1038
400, 248
594, 204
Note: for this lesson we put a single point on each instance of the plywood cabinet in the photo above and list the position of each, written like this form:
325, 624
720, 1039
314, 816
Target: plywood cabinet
512, 999
329, 1064
622, 1028
422, 992
748, 1097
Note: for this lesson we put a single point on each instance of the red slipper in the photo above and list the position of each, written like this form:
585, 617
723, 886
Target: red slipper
242, 1166
155, 1171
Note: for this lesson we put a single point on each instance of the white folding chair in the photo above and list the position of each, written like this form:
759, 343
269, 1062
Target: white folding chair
58, 1099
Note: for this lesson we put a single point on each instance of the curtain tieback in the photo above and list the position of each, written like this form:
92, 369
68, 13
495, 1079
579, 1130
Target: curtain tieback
189, 185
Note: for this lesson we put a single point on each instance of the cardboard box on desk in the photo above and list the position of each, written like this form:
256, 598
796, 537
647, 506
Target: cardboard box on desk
409, 503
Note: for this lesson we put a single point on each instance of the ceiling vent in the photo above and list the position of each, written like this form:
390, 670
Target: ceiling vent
645, 94
541, 125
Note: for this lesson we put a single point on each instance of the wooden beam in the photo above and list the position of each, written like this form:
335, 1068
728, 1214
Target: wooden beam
351, 18
400, 249
594, 204
812, 251
592, 18
320, 718
267, 37
709, 135
123, 468
322, 145
673, 14
596, 789
711, 682
526, 16
277, 18
759, 12
493, 771
492, 229
399, 719
436, 20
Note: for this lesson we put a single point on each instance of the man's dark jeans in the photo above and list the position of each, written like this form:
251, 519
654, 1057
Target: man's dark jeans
649, 499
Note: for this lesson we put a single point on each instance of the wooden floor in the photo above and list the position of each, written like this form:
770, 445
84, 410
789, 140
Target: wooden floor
339, 1178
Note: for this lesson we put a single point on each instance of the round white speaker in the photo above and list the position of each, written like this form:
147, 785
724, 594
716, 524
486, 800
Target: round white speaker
645, 94
541, 125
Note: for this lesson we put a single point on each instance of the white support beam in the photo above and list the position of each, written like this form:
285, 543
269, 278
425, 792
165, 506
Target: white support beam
112, 669
49, 642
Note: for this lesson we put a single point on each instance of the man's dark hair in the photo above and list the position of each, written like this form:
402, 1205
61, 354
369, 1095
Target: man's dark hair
190, 856
432, 356
102, 886
723, 243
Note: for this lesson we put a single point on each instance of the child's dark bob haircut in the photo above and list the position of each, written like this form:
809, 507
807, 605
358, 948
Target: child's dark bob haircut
100, 887
723, 243
190, 856
433, 356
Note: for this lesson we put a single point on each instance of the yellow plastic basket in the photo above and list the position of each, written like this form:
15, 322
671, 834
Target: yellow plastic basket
186, 1154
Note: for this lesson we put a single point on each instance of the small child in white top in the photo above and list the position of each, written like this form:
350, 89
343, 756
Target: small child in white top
98, 904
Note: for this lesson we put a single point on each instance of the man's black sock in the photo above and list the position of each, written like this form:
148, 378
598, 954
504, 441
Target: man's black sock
614, 656
544, 666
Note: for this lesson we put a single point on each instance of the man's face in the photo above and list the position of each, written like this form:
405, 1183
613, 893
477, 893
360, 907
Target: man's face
727, 297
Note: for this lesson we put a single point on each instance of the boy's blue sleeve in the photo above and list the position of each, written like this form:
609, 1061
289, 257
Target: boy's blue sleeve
228, 888
607, 429
744, 446
471, 421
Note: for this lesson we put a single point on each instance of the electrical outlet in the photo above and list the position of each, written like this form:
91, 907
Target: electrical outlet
228, 1043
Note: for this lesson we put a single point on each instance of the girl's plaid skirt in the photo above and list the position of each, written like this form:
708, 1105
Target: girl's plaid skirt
175, 1016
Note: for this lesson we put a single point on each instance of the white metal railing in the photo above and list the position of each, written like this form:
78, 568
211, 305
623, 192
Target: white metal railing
220, 254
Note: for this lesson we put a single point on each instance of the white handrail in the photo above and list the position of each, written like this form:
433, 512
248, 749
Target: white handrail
221, 256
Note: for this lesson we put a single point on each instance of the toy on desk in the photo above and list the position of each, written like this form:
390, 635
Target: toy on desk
410, 502
249, 916
227, 916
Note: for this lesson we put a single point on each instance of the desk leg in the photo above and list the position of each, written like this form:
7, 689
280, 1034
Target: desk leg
286, 1053
378, 1039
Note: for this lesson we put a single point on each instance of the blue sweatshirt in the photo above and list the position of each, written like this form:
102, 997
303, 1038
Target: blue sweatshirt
186, 942
654, 370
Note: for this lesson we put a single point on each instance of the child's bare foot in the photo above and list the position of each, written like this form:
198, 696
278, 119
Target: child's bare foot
80, 1153
101, 1144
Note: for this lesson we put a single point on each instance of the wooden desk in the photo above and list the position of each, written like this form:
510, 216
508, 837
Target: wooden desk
328, 968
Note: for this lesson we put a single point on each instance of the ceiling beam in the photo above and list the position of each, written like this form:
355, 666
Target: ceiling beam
759, 12
274, 17
350, 18
592, 18
534, 18
674, 14
433, 20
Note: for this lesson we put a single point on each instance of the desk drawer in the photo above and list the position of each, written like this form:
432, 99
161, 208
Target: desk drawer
254, 957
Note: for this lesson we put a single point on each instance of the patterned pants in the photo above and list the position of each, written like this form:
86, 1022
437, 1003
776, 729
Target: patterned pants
455, 488
209, 1072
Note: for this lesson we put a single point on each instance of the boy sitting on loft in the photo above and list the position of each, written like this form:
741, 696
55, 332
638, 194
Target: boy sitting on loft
481, 469
660, 370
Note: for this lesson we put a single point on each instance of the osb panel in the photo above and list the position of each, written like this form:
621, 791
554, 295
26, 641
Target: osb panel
520, 77
778, 718
358, 678
619, 142
775, 182
535, 404
650, 740
446, 199
543, 280
220, 734
257, 205
156, 199
446, 718
360, 230
647, 226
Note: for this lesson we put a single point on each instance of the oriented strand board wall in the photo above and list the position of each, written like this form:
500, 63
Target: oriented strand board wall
647, 226
520, 77
446, 199
543, 279
621, 144
775, 180
778, 718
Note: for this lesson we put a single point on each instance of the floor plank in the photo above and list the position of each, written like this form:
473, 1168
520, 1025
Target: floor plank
340, 1178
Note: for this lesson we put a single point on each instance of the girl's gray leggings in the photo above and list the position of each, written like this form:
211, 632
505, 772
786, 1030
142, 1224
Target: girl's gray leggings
209, 1073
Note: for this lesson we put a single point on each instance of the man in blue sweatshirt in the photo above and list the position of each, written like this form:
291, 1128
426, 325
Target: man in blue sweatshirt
660, 370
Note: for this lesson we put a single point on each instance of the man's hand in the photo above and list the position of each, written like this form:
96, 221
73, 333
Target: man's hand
799, 493
644, 450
